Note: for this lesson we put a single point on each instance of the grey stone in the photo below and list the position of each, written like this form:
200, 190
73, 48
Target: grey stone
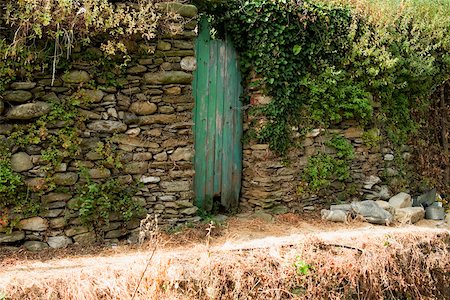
85, 238
426, 199
108, 126
12, 237
184, 204
263, 216
21, 161
163, 46
371, 181
167, 198
94, 96
176, 186
185, 154
309, 208
90, 115
137, 69
434, 213
166, 109
115, 233
409, 215
58, 242
386, 206
371, 212
77, 76
76, 230
344, 207
181, 44
66, 179
189, 63
99, 173
314, 133
189, 211
143, 156
52, 213
137, 167
157, 119
353, 133
143, 108
134, 141
28, 111
388, 157
34, 224
26, 85
58, 222
384, 193
150, 179
134, 132
55, 197
17, 96
335, 215
35, 245
170, 77
280, 210
401, 200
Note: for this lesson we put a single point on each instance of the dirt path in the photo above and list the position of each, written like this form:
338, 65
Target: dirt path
246, 232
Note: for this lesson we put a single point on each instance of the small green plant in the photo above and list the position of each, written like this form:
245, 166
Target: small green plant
323, 168
14, 196
302, 267
372, 138
97, 201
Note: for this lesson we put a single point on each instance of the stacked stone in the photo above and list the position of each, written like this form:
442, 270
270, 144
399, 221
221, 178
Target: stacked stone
274, 183
148, 121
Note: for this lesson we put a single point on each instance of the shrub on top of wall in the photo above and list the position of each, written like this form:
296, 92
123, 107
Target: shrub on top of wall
324, 62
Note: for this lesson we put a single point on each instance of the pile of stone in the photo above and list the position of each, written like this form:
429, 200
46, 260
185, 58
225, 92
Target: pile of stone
401, 208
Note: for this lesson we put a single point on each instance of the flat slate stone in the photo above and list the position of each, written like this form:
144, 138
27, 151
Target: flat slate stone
14, 236
17, 96
170, 77
78, 76
107, 126
58, 242
35, 245
28, 111
34, 224
25, 85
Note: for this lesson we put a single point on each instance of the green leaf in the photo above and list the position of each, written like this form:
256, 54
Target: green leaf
296, 49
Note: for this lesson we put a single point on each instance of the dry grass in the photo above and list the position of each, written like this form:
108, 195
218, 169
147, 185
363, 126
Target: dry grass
396, 266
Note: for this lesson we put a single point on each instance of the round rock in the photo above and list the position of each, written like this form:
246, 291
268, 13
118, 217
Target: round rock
21, 162
143, 108
188, 63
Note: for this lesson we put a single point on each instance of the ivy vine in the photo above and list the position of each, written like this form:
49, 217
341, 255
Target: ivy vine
324, 62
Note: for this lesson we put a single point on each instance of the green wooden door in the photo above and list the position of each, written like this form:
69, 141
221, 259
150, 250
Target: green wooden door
218, 122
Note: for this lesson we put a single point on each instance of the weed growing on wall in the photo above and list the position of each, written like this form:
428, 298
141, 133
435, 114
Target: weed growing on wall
96, 201
323, 168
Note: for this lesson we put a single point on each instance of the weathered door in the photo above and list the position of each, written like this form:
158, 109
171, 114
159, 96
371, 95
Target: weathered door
218, 122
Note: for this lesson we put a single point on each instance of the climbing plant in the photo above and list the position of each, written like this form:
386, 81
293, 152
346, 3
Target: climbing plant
324, 62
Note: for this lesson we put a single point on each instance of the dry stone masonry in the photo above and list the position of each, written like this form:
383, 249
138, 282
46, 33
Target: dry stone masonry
144, 117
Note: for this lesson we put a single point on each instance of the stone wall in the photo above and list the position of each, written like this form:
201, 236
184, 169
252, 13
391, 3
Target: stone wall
145, 118
277, 184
